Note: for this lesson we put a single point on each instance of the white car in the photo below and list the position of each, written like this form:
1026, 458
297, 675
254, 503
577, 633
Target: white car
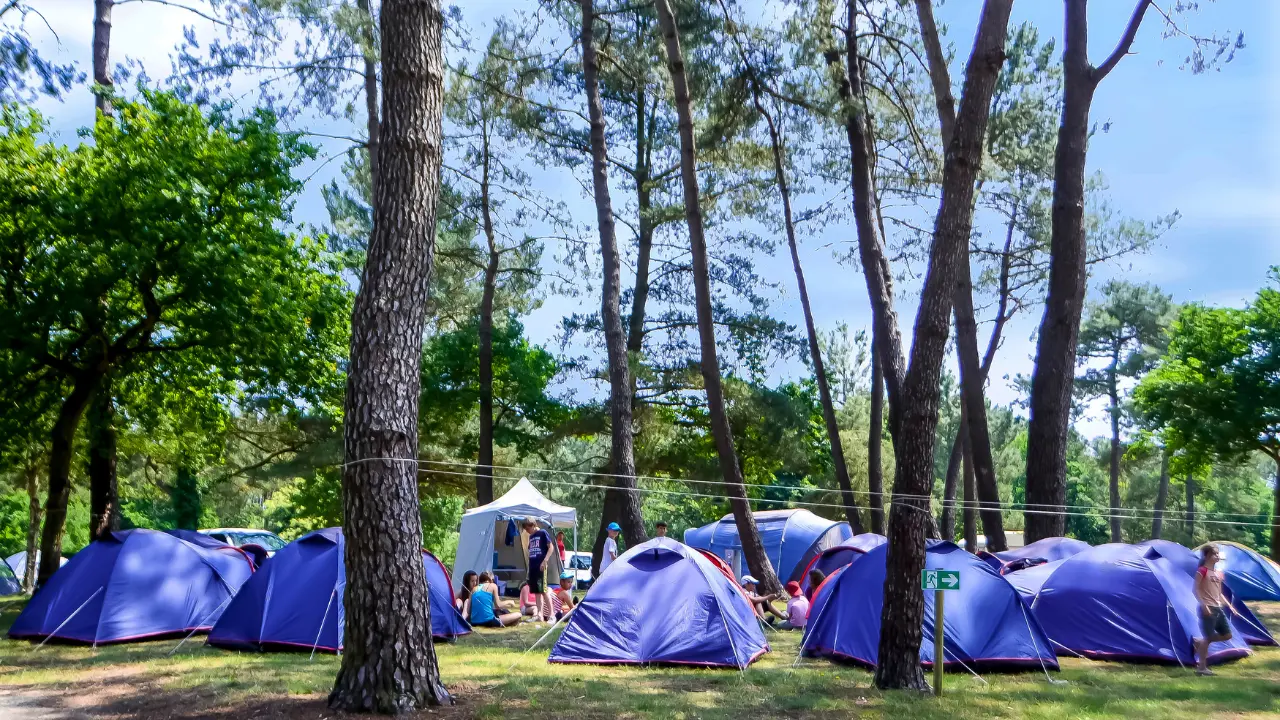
239, 537
580, 564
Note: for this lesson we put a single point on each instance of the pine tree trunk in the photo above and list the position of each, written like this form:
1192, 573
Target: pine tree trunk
33, 525
484, 462
104, 500
970, 500
188, 506
61, 451
1275, 516
1051, 382
102, 52
815, 352
947, 524
389, 665
1114, 394
1162, 495
875, 436
622, 501
752, 548
1190, 521
644, 234
903, 611
370, 90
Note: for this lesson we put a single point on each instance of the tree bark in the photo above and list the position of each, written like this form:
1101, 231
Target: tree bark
752, 548
1190, 521
947, 524
875, 435
1113, 393
1275, 516
622, 501
370, 89
970, 500
102, 53
1054, 373
815, 352
61, 451
104, 499
484, 462
1162, 495
33, 525
902, 615
644, 236
390, 663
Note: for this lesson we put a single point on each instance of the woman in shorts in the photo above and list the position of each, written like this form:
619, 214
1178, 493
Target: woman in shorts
485, 608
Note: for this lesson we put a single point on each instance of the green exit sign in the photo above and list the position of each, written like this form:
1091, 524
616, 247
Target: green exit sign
940, 579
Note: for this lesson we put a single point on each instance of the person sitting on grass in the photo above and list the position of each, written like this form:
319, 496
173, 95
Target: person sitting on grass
1214, 626
797, 607
762, 604
816, 578
562, 599
469, 581
485, 609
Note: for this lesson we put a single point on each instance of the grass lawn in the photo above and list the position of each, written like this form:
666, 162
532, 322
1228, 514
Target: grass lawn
144, 680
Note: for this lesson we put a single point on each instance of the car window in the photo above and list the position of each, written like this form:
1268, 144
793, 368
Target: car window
220, 538
266, 540
580, 562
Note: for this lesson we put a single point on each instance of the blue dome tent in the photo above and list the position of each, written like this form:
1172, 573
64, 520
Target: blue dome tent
662, 602
1249, 575
1123, 602
134, 584
295, 601
1050, 549
987, 623
1188, 560
832, 559
791, 539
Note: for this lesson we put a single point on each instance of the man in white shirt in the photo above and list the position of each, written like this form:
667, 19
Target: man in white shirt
610, 547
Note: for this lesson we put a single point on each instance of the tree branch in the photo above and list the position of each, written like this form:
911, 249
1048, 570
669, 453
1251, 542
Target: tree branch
1125, 43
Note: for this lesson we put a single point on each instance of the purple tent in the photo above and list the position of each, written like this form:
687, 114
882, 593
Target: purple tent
1051, 549
1187, 560
134, 584
662, 602
295, 601
1124, 602
832, 559
987, 623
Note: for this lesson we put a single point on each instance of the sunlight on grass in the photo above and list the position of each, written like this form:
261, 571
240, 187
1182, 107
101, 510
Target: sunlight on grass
495, 678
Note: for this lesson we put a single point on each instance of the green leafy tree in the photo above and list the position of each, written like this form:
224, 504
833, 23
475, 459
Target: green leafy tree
1214, 394
1126, 330
159, 240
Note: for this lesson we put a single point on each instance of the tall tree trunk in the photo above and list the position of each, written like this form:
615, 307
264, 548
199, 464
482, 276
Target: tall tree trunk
1162, 495
972, 376
1190, 521
622, 501
1275, 515
970, 499
104, 500
33, 525
947, 524
1054, 372
752, 548
390, 662
484, 462
1113, 393
903, 612
102, 52
370, 88
188, 505
875, 438
61, 450
644, 235
815, 352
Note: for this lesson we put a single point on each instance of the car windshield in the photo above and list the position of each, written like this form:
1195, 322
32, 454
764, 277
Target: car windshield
580, 562
266, 540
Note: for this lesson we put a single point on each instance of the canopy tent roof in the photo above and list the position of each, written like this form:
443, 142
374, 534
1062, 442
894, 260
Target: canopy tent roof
524, 500
662, 602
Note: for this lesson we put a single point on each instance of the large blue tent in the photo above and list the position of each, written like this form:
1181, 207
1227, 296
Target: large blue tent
662, 602
1050, 549
987, 623
1249, 575
791, 538
1251, 628
295, 600
832, 559
1122, 602
134, 584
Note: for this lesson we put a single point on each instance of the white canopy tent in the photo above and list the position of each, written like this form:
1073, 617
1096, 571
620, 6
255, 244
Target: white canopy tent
482, 539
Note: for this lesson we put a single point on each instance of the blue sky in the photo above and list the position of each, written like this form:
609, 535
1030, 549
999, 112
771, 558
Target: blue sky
1204, 145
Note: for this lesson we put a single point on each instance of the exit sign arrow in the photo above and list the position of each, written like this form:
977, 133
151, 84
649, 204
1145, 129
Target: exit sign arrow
940, 579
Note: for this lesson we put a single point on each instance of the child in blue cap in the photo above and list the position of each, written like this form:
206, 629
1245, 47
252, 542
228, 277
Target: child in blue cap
610, 546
